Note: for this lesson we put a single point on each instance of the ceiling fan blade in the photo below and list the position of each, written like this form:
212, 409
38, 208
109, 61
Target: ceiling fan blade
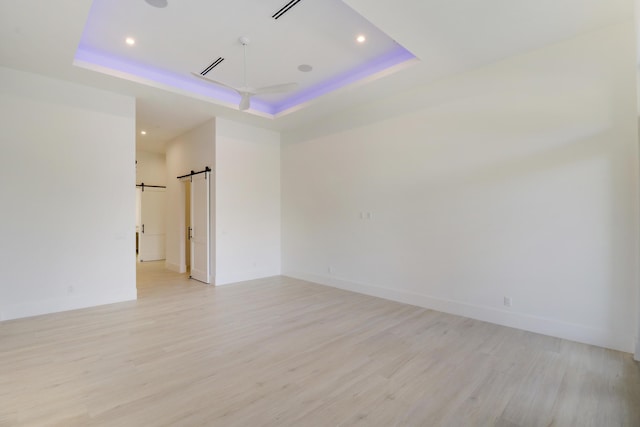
216, 82
286, 87
244, 91
245, 102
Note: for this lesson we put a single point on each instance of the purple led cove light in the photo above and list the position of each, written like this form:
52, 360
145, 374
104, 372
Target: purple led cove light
146, 75
381, 63
117, 67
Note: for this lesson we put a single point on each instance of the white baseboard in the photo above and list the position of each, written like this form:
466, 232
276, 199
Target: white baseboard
242, 276
573, 332
176, 268
636, 356
55, 305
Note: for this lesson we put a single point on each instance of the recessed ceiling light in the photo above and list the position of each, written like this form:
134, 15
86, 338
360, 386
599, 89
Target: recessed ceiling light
361, 39
143, 132
305, 68
157, 3
130, 41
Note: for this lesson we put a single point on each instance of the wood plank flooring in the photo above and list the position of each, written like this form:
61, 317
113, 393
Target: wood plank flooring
281, 352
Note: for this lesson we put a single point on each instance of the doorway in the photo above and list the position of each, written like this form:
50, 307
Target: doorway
150, 233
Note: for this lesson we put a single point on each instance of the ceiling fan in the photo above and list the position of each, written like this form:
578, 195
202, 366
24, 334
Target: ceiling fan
245, 91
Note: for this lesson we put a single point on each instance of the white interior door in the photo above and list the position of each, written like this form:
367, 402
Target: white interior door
151, 233
200, 246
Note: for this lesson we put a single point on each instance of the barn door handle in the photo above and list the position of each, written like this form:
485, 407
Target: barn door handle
142, 228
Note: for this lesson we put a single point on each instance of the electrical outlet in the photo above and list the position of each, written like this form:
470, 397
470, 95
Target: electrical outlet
330, 269
508, 302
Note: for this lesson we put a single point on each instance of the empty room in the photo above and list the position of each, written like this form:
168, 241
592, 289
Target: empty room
319, 213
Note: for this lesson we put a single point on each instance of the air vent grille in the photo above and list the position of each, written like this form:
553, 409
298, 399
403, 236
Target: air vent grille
211, 66
286, 8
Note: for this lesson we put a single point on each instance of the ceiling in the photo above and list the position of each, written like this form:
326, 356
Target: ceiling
320, 34
447, 37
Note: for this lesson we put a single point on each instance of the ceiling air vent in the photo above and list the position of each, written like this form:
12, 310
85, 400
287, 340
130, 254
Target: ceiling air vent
211, 66
286, 8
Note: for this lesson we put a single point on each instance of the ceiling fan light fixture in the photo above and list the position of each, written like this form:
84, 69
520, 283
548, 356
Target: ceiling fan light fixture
245, 92
245, 102
157, 3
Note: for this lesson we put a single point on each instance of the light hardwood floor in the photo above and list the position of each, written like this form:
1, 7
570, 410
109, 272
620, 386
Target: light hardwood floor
281, 352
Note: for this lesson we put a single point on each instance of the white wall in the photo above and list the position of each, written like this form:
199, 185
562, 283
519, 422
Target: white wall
67, 169
192, 151
151, 168
519, 179
247, 202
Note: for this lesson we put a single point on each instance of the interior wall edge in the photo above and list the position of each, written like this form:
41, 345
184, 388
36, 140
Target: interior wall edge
615, 340
242, 276
176, 268
56, 305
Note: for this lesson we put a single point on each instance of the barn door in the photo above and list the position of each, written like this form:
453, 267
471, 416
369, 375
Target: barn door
151, 233
199, 231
